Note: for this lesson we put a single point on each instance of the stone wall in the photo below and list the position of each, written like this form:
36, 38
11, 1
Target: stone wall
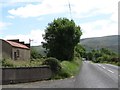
25, 74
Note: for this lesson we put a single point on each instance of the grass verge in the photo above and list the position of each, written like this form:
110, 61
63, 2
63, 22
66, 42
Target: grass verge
69, 69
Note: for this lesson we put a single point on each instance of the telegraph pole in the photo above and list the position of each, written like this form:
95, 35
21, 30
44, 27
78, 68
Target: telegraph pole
70, 9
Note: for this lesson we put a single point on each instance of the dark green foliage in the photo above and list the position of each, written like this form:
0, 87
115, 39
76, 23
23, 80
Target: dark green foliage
79, 49
61, 36
64, 74
96, 53
54, 64
7, 63
35, 54
107, 51
61, 75
115, 59
104, 55
89, 56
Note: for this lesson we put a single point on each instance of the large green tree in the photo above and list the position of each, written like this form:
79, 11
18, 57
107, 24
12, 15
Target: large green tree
80, 50
61, 36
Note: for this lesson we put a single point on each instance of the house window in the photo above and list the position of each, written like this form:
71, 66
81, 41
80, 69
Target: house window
15, 56
18, 53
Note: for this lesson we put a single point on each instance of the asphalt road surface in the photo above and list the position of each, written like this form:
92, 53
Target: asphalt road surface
97, 76
91, 76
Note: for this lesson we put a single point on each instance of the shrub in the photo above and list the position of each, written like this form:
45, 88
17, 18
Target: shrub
35, 54
106, 58
115, 59
7, 63
21, 63
61, 75
99, 59
118, 63
54, 64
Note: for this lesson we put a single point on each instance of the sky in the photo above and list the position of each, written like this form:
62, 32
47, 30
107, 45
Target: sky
28, 19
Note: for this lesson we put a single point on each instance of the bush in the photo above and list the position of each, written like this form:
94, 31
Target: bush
7, 63
115, 59
54, 64
61, 75
106, 58
99, 59
118, 63
35, 54
21, 63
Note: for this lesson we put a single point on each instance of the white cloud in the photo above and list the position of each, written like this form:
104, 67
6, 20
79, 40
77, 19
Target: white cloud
3, 25
35, 35
45, 7
80, 9
12, 17
99, 28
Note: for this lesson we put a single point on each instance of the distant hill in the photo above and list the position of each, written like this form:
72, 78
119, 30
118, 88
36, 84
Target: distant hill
110, 42
39, 49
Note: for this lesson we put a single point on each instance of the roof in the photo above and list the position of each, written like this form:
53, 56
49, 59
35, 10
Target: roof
15, 44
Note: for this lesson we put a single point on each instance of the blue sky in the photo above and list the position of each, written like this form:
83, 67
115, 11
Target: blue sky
27, 19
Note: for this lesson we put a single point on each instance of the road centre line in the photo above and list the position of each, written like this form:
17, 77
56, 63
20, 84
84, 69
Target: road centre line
99, 65
106, 69
103, 67
110, 71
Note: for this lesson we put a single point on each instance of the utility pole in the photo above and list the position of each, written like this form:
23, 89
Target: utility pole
70, 9
30, 40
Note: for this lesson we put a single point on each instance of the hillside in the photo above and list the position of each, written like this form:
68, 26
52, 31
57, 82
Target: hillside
110, 42
39, 49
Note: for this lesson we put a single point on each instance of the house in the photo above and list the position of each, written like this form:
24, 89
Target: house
14, 49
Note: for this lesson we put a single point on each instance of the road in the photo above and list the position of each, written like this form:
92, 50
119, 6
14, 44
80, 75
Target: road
91, 76
97, 76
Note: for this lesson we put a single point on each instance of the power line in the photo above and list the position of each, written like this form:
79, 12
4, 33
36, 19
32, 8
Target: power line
70, 9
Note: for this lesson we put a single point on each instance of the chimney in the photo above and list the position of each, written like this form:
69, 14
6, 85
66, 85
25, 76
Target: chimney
22, 43
14, 40
27, 44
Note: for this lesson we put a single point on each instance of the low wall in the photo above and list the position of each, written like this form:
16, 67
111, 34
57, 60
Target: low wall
25, 74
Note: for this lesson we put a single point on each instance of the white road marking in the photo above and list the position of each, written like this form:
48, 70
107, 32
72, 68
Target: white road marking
110, 71
119, 75
99, 65
103, 67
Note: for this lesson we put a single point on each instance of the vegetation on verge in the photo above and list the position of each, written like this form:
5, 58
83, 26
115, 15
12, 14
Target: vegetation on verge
35, 54
103, 55
21, 63
53, 63
68, 69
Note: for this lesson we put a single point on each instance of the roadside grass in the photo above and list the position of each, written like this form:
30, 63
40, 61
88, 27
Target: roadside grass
21, 63
69, 69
